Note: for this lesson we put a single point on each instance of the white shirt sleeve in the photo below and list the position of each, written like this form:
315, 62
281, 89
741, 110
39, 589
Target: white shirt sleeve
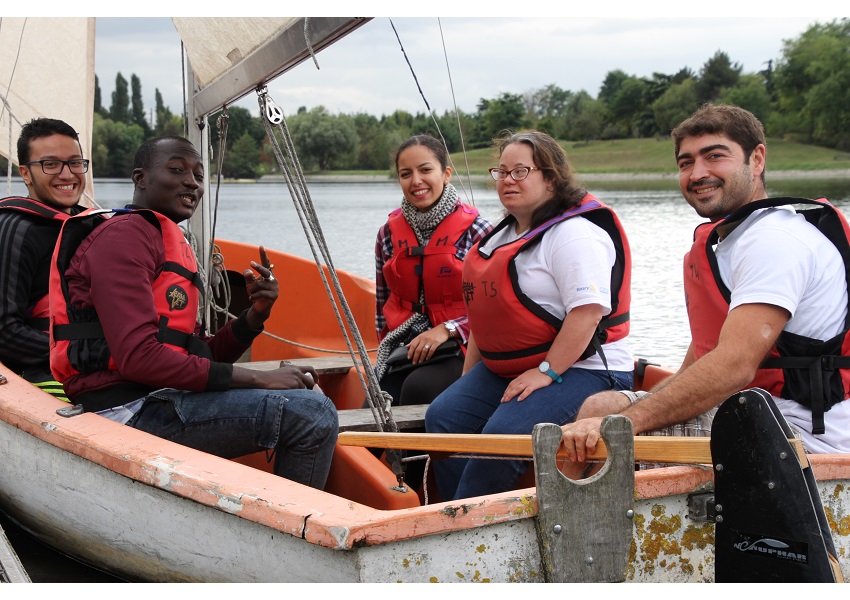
570, 267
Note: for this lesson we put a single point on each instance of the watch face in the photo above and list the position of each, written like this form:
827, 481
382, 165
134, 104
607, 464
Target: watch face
544, 366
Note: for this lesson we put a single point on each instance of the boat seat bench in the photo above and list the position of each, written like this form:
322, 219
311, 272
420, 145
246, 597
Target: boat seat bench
356, 419
406, 417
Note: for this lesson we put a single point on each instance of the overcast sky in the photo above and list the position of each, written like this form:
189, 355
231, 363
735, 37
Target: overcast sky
366, 71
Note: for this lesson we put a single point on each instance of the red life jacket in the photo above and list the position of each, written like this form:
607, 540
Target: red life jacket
39, 312
812, 372
77, 343
435, 267
511, 331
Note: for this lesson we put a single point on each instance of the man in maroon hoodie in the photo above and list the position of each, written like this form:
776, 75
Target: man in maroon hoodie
135, 274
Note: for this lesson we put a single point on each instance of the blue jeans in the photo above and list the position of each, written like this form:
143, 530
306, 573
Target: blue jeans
472, 405
301, 426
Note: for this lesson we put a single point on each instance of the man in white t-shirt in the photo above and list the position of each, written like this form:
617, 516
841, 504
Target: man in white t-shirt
761, 282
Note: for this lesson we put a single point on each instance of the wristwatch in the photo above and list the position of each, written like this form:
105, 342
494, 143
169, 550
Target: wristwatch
451, 327
545, 367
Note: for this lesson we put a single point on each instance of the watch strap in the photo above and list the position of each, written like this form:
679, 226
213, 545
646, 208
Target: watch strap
555, 377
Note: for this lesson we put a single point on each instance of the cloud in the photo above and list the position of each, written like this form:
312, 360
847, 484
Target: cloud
367, 71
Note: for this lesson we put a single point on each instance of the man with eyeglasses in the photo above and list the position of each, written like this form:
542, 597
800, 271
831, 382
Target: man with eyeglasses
139, 357
54, 170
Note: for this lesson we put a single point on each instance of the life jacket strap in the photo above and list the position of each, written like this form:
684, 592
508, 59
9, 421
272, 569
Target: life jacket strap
191, 343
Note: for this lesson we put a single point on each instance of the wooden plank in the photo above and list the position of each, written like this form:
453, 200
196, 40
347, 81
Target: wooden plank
361, 419
324, 365
662, 449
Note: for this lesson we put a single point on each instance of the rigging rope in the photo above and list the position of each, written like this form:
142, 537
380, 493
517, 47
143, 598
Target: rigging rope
216, 260
185, 101
14, 67
290, 166
457, 112
469, 194
5, 98
307, 42
9, 161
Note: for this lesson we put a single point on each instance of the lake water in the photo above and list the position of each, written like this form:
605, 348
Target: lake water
659, 224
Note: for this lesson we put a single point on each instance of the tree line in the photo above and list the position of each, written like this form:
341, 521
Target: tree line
803, 95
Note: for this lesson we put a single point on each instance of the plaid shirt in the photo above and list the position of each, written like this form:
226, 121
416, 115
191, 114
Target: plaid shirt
384, 252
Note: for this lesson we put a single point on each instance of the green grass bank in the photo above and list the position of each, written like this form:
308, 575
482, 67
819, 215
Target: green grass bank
652, 156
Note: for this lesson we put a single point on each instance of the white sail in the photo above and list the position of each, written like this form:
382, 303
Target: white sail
230, 56
46, 70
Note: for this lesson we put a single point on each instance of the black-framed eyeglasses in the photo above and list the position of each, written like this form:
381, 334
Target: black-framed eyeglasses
517, 174
50, 166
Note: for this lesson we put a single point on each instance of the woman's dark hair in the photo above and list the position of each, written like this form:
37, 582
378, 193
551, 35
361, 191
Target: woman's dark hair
430, 142
552, 161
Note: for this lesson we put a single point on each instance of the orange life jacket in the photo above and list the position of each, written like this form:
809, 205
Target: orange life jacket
434, 267
39, 312
812, 372
511, 331
77, 343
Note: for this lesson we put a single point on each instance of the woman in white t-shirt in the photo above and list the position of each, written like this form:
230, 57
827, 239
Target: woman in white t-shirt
548, 294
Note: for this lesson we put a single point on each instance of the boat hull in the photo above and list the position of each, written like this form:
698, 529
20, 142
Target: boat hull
146, 509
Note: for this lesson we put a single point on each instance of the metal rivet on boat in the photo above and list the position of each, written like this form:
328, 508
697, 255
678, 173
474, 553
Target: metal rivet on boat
718, 467
718, 508
557, 529
630, 514
589, 560
770, 485
783, 455
718, 519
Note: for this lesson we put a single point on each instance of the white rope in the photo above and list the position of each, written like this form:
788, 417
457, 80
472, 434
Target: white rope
6, 106
307, 42
457, 112
14, 67
9, 154
287, 158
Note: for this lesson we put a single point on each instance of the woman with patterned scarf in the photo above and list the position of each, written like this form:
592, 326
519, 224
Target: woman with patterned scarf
418, 267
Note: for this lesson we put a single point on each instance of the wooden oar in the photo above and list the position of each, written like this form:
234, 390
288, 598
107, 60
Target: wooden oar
662, 449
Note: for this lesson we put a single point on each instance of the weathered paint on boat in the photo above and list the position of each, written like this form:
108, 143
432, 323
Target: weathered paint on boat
151, 510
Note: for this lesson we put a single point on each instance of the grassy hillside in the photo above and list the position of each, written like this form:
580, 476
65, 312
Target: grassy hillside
656, 156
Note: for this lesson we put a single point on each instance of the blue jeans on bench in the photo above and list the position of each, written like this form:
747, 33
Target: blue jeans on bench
301, 426
472, 405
